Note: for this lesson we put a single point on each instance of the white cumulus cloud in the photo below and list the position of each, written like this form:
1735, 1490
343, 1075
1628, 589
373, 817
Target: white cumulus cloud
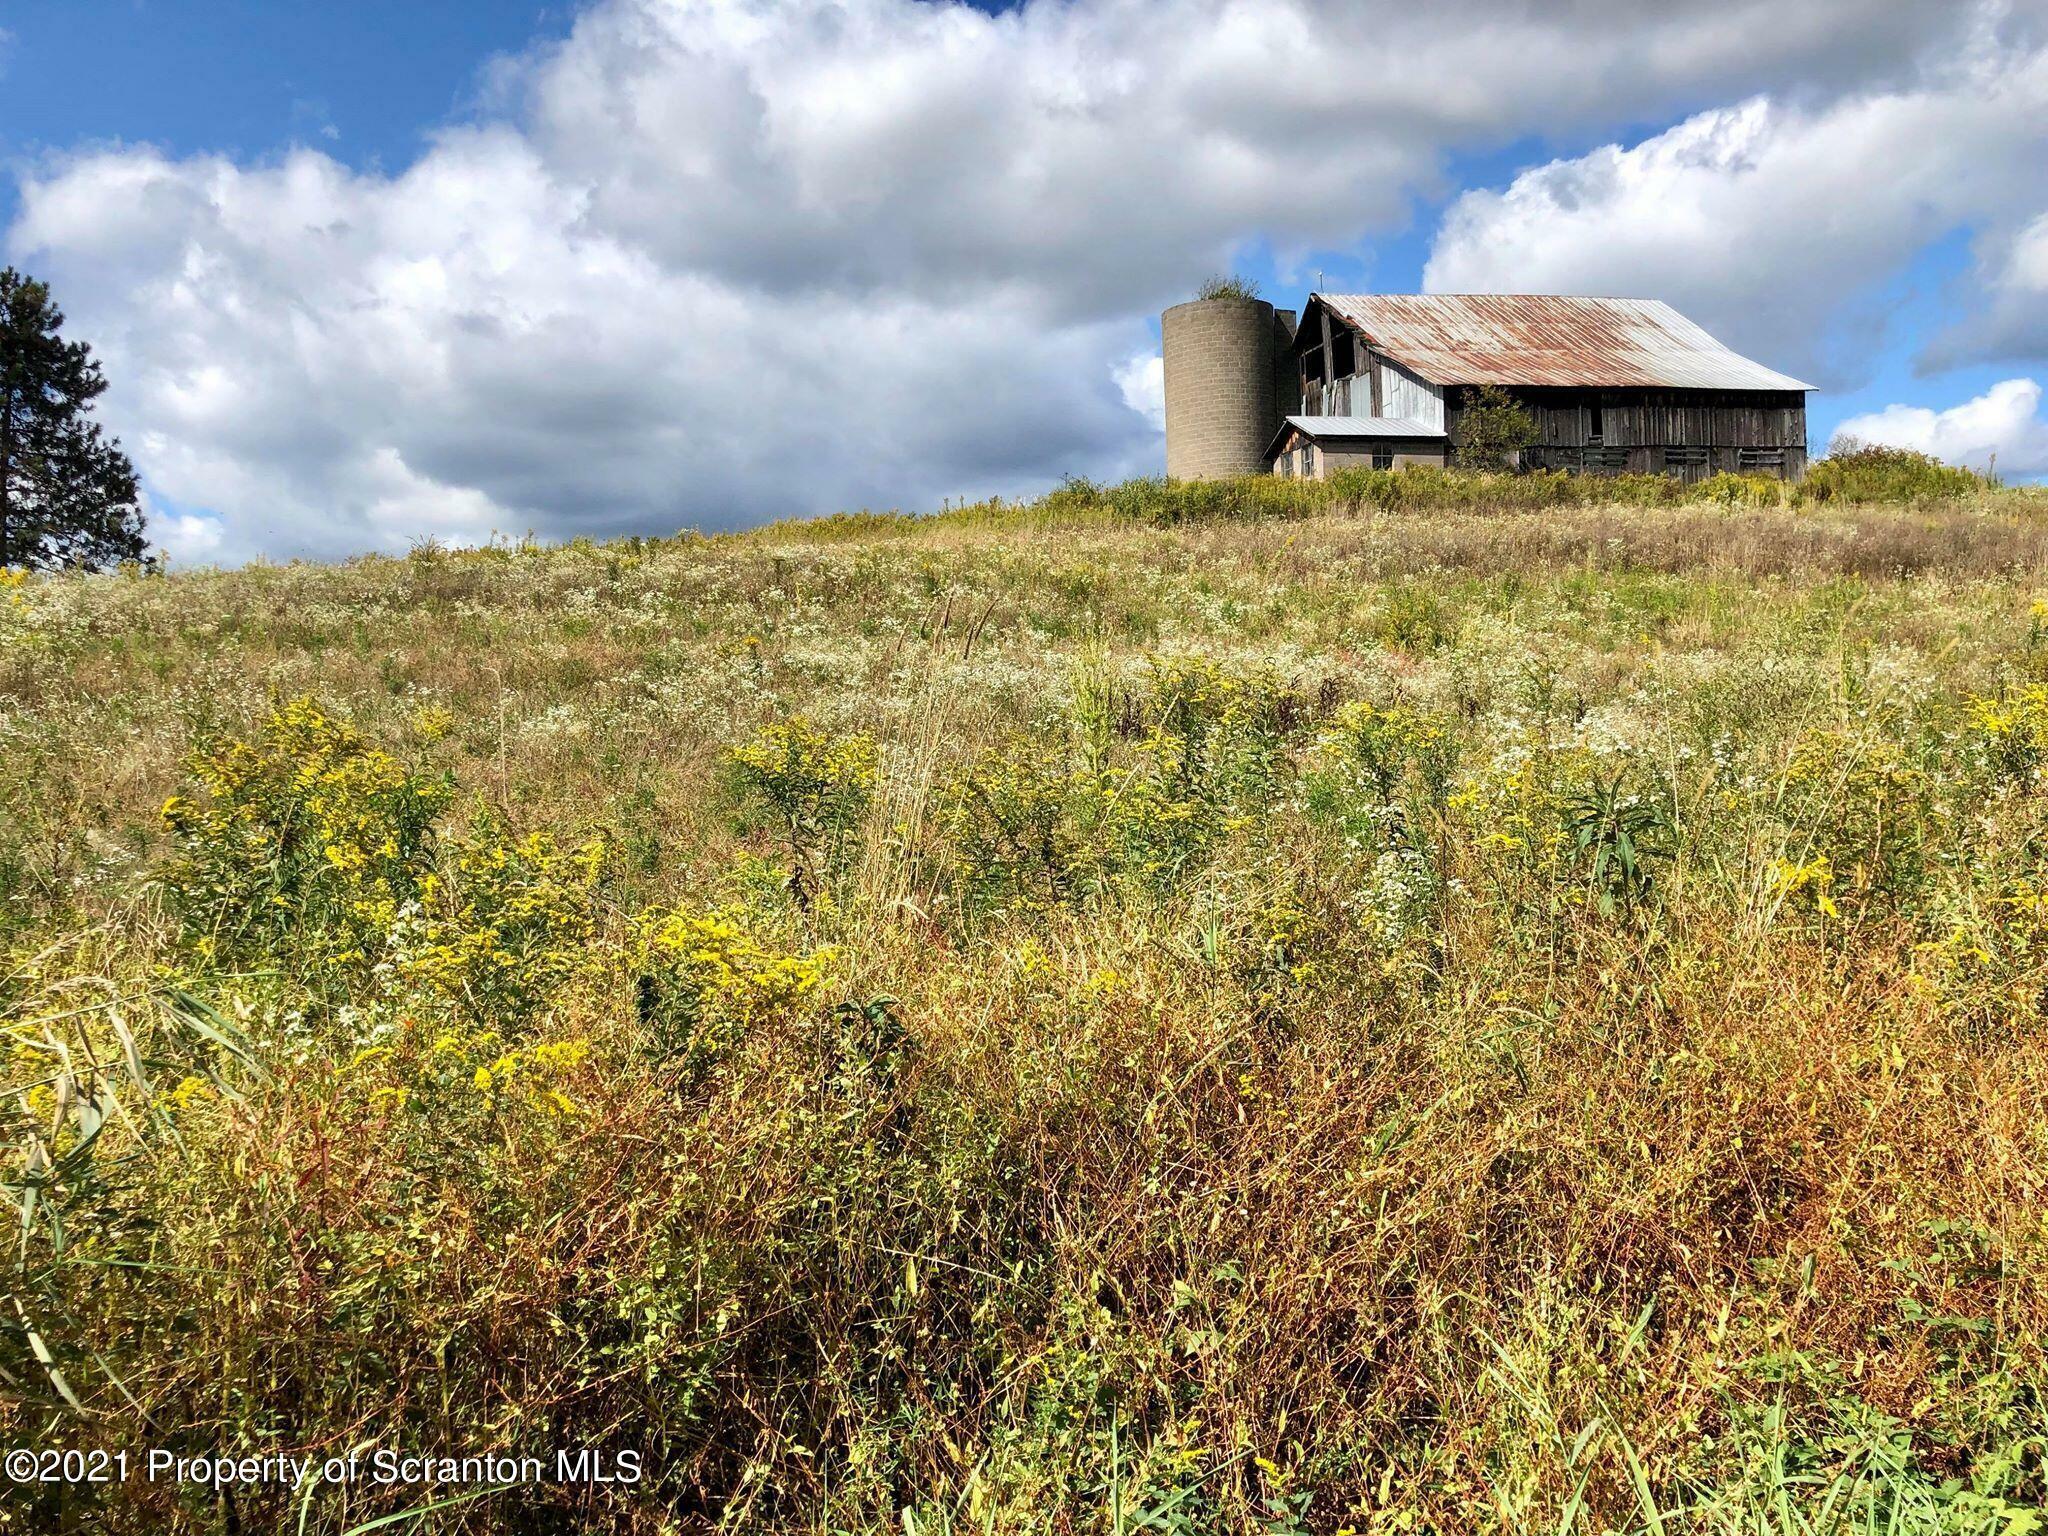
1142, 383
2003, 427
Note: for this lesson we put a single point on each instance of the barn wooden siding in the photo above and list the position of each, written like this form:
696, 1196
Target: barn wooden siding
1737, 431
1635, 418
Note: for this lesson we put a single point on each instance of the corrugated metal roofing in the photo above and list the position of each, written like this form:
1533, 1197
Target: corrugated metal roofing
1542, 339
1363, 426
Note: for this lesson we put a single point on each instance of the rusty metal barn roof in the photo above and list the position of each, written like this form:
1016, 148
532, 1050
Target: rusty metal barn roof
1541, 339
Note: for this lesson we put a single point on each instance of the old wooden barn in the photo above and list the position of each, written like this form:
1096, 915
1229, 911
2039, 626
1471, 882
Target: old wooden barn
1613, 384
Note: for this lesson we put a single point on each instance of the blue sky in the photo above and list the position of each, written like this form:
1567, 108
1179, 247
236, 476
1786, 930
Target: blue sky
364, 273
364, 80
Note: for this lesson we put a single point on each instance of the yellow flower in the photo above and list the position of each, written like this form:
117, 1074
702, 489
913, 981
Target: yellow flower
1813, 878
189, 1089
561, 1055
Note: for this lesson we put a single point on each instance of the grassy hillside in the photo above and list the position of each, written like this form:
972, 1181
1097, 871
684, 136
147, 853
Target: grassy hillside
1057, 1019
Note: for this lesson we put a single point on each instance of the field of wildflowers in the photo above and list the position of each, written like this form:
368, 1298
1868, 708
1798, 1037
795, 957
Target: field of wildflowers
1394, 1014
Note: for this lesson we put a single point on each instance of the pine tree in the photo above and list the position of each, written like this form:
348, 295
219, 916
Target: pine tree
67, 491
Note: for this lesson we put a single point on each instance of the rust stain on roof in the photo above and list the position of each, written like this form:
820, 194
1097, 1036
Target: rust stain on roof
1546, 340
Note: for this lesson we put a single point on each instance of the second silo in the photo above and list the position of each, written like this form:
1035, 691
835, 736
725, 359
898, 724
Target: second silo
1226, 382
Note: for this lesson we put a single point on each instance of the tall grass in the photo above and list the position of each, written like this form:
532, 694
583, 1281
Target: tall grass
1856, 475
1168, 1017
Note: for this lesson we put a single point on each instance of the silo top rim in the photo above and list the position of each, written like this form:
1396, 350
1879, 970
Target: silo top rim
1211, 303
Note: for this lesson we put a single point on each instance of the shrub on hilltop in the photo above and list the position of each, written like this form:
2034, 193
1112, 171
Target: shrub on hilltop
1871, 472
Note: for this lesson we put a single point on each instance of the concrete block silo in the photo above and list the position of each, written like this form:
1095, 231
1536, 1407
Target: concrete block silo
1228, 382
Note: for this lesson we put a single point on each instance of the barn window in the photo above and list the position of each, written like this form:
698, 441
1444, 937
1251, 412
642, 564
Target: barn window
1759, 458
1383, 458
1343, 356
1694, 457
1594, 432
1312, 366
